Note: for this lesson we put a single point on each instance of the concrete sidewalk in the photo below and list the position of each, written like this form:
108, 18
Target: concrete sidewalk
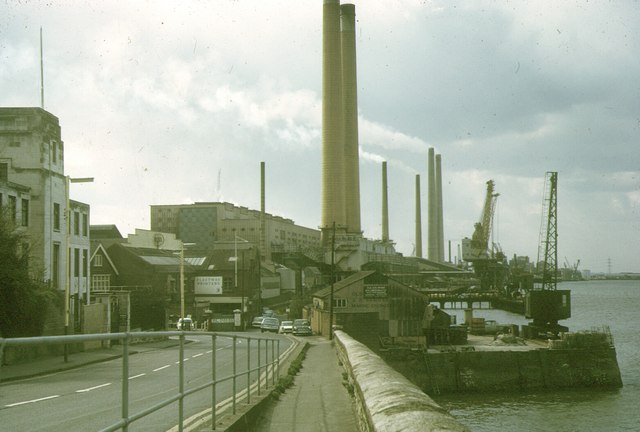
53, 364
317, 401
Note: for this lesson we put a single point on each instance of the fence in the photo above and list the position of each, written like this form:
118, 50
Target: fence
263, 373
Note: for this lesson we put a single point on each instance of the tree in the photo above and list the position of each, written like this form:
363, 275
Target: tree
23, 300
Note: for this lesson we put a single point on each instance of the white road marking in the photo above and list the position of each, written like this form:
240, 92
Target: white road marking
160, 368
196, 355
32, 401
92, 388
136, 376
209, 352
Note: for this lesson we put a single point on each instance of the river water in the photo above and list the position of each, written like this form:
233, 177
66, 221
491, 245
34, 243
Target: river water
594, 304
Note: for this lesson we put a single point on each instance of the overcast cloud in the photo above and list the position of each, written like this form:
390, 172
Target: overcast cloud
176, 102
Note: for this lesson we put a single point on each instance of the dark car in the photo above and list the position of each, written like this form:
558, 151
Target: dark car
270, 324
301, 327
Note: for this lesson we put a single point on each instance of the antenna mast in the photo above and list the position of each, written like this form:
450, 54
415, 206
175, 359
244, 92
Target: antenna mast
41, 73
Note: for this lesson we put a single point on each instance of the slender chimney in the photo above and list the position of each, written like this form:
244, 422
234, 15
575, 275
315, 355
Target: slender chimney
418, 219
333, 208
432, 243
263, 233
350, 118
439, 212
385, 205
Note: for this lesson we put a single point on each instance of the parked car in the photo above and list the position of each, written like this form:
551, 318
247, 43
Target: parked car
270, 324
286, 327
185, 324
301, 327
257, 322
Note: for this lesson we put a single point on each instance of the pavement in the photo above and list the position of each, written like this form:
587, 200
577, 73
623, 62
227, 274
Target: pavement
318, 401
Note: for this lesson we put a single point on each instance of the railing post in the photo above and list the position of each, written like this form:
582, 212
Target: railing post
181, 384
213, 378
234, 374
273, 363
125, 382
278, 358
259, 366
248, 370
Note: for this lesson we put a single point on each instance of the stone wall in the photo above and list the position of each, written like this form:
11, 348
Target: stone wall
385, 400
495, 371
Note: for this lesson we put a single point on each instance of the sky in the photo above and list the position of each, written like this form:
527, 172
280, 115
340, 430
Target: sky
178, 102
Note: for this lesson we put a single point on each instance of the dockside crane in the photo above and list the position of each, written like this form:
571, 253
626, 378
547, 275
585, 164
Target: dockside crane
486, 257
545, 304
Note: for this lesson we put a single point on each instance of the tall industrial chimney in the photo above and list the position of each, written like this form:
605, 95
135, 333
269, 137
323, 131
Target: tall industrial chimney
418, 219
350, 119
439, 212
332, 194
385, 205
263, 226
432, 241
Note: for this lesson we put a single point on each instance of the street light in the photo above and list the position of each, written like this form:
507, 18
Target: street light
67, 282
182, 245
235, 271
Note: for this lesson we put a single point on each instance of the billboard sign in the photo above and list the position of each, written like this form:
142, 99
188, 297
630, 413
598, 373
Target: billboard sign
208, 285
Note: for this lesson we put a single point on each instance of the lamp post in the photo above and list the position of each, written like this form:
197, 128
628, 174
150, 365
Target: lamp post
235, 277
182, 245
67, 278
333, 278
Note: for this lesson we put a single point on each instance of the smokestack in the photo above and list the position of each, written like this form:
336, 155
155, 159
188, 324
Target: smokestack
385, 205
332, 194
418, 219
263, 242
439, 212
350, 118
432, 241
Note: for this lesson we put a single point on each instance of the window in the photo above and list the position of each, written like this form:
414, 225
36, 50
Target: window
54, 151
12, 208
25, 212
97, 261
339, 303
85, 262
55, 265
76, 223
100, 282
85, 224
4, 171
56, 216
76, 262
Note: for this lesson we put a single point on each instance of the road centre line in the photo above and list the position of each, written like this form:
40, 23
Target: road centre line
209, 352
92, 388
31, 401
196, 355
161, 367
136, 376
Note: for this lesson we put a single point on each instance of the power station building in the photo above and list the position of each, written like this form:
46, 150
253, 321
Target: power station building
209, 223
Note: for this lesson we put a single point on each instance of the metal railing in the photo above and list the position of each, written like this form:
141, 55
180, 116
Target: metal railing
263, 373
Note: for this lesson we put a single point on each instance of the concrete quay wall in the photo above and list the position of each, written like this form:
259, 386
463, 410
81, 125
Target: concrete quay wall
496, 371
386, 401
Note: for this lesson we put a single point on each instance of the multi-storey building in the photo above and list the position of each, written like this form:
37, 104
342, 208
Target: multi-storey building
211, 223
34, 186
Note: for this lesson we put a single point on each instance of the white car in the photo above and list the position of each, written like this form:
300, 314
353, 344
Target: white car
185, 324
286, 327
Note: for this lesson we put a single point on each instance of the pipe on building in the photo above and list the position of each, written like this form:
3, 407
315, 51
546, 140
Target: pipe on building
432, 222
418, 219
385, 204
350, 117
439, 210
332, 193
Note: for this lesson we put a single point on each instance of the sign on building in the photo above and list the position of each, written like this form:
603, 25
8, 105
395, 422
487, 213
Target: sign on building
375, 291
208, 285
